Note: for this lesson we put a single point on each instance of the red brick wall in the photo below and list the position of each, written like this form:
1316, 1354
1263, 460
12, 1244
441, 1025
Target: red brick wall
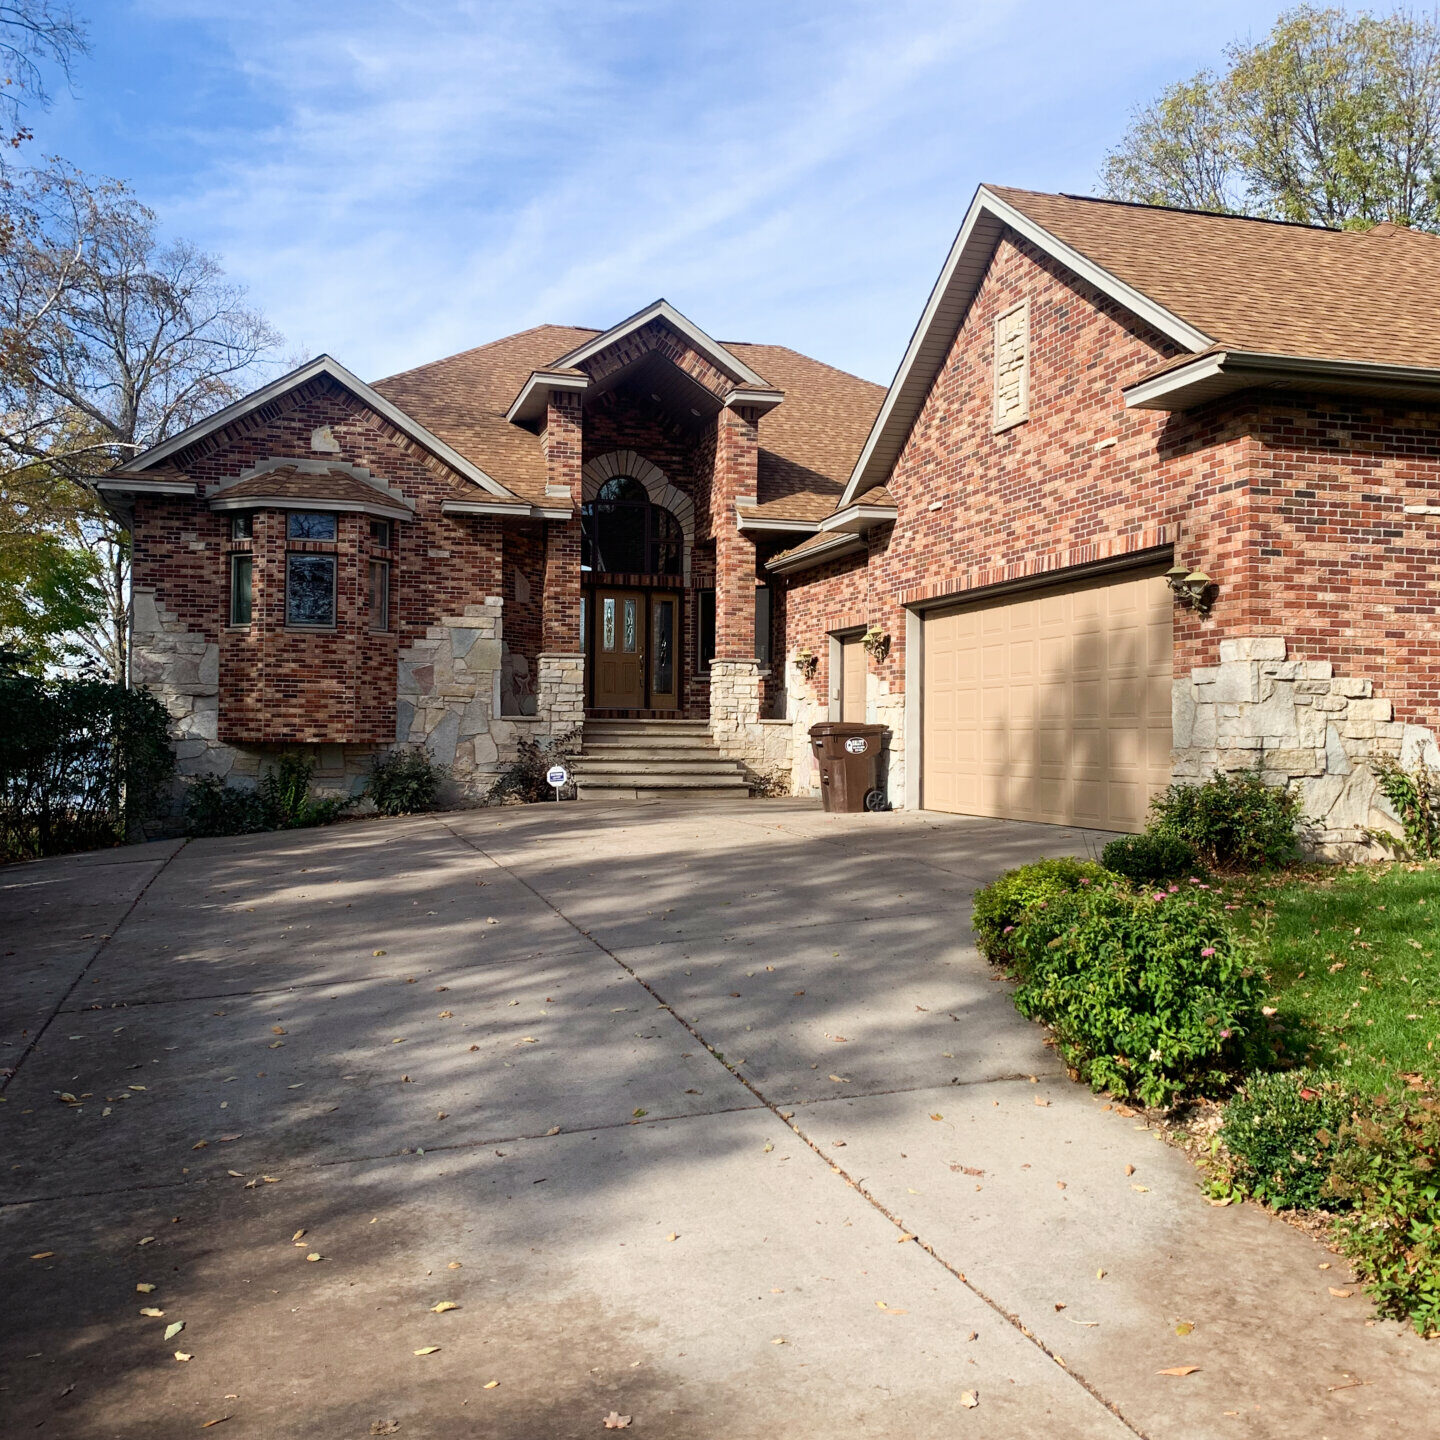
561, 599
524, 560
736, 458
282, 686
1294, 506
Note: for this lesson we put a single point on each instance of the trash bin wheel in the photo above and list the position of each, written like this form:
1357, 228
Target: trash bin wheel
875, 800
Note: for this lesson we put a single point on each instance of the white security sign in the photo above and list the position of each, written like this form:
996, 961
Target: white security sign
857, 745
558, 776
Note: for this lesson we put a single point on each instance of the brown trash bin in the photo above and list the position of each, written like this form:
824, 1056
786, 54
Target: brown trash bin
849, 758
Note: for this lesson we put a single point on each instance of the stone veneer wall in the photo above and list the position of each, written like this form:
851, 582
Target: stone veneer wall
1299, 725
448, 700
764, 747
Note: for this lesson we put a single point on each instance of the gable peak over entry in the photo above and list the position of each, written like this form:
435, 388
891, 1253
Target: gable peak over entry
658, 344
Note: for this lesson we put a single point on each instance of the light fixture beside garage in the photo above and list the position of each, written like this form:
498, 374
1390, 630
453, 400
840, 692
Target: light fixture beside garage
1193, 588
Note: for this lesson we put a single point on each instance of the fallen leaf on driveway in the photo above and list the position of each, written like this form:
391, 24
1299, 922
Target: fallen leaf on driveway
314, 1255
672, 1236
1341, 1294
146, 1240
427, 1350
181, 1355
615, 1421
553, 1130
278, 1030
489, 1384
144, 1287
443, 1306
937, 1116
297, 1234
173, 1329
384, 1427
1142, 1189
1184, 1328
200, 1145
447, 1015
453, 1265
42, 1255
151, 1311
381, 952
1040, 1101
1129, 1169
839, 1079
219, 1420
1179, 1370
969, 1399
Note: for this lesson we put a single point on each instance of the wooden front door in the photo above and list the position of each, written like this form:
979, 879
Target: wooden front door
619, 649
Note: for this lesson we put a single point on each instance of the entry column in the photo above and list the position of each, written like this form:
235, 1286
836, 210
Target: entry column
734, 672
560, 698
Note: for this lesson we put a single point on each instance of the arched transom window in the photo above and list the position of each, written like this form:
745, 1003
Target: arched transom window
625, 532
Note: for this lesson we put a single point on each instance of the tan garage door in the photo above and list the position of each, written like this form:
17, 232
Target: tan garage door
852, 679
1054, 707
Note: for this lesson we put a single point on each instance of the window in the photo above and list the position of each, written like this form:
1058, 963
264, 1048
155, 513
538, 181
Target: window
1012, 366
242, 526
303, 525
310, 590
380, 534
623, 533
706, 599
762, 625
241, 571
379, 594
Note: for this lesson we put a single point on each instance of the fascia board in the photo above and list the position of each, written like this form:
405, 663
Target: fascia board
663, 310
858, 518
480, 507
1243, 369
842, 544
139, 486
977, 235
321, 365
294, 502
759, 523
524, 406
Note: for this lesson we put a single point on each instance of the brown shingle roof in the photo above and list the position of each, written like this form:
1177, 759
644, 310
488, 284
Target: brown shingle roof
291, 483
1260, 285
808, 444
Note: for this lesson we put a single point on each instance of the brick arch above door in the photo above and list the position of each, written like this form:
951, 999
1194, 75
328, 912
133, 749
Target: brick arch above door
657, 487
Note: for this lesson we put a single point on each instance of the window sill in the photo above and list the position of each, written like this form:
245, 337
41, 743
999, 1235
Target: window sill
312, 629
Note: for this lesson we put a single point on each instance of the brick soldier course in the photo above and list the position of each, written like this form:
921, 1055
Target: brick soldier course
1092, 386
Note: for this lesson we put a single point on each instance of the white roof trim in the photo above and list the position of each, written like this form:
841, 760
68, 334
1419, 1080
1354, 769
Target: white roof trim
744, 522
316, 503
320, 365
141, 486
1231, 370
832, 549
530, 403
511, 512
764, 399
859, 517
713, 350
946, 308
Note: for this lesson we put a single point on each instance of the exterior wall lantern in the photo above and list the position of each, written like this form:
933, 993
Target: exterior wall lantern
876, 643
806, 663
1192, 588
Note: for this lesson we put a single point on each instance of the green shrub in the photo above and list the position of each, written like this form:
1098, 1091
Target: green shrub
997, 908
1235, 822
1151, 994
404, 782
281, 802
1282, 1134
1415, 796
1155, 855
82, 763
1388, 1170
523, 780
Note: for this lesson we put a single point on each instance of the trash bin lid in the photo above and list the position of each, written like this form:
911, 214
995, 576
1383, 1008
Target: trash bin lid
842, 728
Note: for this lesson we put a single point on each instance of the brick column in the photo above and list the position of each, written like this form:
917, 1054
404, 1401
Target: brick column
736, 457
561, 600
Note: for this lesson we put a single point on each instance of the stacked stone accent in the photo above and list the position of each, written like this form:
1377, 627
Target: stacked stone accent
561, 696
182, 671
1300, 726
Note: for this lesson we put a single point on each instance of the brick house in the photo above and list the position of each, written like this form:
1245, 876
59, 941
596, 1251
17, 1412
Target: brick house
1152, 493
562, 524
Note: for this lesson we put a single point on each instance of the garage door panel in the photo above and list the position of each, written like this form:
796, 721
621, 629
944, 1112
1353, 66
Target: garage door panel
1051, 707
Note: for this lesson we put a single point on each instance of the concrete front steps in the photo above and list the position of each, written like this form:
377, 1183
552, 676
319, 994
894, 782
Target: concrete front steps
655, 760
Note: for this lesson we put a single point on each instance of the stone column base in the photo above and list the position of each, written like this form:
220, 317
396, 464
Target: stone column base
560, 692
735, 724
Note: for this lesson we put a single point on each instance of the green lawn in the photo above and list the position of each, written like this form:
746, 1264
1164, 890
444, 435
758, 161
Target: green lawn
1354, 957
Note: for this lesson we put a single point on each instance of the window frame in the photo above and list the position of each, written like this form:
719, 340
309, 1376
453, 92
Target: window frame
655, 520
240, 558
704, 624
385, 539
333, 560
242, 525
383, 625
291, 516
764, 600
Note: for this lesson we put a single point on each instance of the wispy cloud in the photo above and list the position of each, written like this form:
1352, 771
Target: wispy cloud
395, 181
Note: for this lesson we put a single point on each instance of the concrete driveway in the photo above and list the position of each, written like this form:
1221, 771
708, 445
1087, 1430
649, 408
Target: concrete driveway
710, 1118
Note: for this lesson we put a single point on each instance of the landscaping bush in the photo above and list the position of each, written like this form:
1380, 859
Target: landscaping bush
1415, 796
523, 780
404, 782
282, 801
1282, 1133
998, 907
82, 763
1235, 822
1155, 855
1388, 1170
1150, 995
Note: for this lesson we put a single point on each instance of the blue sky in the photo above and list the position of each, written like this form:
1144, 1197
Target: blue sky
395, 180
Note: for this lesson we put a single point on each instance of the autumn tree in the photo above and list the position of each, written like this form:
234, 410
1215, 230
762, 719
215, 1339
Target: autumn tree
111, 340
1331, 119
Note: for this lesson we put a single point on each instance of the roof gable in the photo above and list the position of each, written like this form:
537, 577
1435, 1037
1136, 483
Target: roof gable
322, 365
